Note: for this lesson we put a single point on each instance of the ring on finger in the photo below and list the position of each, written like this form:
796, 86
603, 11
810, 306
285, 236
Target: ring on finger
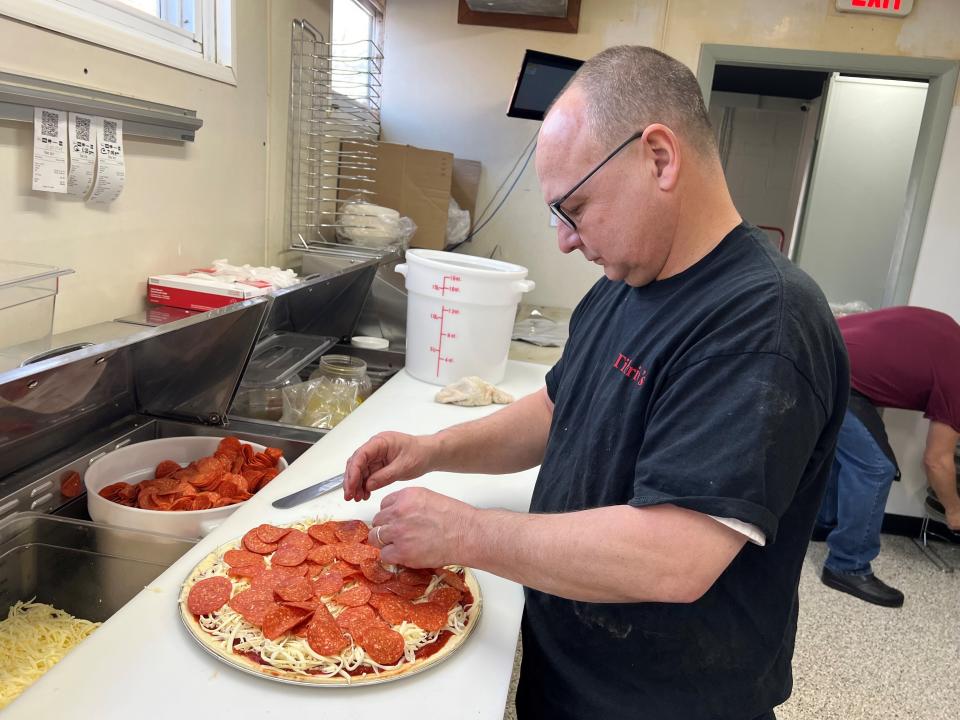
376, 532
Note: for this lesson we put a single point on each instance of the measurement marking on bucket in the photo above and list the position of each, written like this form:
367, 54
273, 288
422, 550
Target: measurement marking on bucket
443, 288
438, 348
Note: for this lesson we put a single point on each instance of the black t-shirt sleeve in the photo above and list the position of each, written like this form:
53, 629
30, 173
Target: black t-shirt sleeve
730, 436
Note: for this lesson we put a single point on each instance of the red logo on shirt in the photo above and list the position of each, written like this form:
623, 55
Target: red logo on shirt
637, 373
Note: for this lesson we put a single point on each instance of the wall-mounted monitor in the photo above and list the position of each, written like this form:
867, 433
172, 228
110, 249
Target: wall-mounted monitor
542, 77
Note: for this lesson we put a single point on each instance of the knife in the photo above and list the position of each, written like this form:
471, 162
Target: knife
309, 493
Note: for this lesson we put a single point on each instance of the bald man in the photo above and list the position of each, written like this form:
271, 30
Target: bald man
684, 438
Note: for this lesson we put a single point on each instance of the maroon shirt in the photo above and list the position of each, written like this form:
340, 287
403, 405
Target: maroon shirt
906, 357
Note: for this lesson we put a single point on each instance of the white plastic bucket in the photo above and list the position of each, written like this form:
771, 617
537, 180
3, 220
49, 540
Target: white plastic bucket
460, 313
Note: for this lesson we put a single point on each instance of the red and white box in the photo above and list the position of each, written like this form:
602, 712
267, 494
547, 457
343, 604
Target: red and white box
201, 293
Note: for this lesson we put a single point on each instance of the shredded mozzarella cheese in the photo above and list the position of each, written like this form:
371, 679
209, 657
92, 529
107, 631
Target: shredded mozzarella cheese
294, 654
33, 638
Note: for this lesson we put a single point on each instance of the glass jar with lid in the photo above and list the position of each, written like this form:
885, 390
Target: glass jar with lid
345, 370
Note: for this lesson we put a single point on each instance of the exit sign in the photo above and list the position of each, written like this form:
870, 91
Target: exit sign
896, 8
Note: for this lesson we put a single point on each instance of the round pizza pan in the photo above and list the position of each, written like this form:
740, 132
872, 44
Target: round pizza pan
207, 642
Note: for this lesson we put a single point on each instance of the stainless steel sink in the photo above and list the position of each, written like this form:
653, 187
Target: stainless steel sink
88, 569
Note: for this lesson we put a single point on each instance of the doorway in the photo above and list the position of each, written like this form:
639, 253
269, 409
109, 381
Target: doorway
802, 109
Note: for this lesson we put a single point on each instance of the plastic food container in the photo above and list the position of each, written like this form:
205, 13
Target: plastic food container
137, 462
460, 314
275, 364
28, 295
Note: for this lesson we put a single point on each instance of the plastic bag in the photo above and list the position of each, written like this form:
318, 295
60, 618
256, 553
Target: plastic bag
221, 269
320, 403
363, 223
850, 308
538, 329
458, 223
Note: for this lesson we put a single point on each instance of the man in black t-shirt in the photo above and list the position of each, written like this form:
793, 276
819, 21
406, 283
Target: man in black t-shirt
685, 436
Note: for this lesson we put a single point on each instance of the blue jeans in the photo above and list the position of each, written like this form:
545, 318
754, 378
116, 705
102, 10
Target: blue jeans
855, 498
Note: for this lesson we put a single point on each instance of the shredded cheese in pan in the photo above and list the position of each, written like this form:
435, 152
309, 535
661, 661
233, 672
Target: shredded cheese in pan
294, 654
33, 638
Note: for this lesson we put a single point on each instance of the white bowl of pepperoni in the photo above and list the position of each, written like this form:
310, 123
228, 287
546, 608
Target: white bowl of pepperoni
184, 486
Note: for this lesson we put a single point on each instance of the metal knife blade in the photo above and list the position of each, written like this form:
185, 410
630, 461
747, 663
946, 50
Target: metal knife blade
309, 493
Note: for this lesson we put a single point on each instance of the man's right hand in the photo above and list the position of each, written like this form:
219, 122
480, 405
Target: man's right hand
386, 458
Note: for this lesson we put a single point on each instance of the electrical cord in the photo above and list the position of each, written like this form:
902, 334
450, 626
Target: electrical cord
483, 223
506, 177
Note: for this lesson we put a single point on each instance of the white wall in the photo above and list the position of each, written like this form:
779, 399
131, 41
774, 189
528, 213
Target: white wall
447, 87
184, 204
761, 162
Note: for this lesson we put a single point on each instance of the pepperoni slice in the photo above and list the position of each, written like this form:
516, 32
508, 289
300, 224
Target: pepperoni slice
71, 485
253, 604
407, 592
326, 638
354, 618
429, 616
446, 597
452, 579
281, 619
289, 556
393, 609
229, 445
415, 577
352, 531
345, 569
313, 570
357, 595
209, 595
322, 554
375, 572
329, 583
296, 589
377, 601
247, 571
165, 468
384, 645
236, 558
296, 539
325, 533
270, 533
283, 571
356, 553
310, 605
271, 577
253, 543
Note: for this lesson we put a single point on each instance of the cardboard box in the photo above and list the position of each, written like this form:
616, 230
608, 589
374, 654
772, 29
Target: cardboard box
189, 293
418, 183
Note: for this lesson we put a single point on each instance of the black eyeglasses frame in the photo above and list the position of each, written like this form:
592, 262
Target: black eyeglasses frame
554, 206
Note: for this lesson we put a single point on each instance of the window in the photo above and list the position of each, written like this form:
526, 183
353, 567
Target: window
192, 35
354, 33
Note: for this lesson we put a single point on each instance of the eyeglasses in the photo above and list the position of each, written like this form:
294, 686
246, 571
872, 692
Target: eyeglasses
554, 206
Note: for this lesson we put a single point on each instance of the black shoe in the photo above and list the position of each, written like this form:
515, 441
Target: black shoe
935, 507
820, 533
866, 587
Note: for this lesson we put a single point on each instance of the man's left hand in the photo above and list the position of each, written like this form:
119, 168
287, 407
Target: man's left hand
421, 529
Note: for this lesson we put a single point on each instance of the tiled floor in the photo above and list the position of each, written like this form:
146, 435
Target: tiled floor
856, 661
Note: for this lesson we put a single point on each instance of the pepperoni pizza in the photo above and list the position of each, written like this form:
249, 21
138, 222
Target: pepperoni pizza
312, 603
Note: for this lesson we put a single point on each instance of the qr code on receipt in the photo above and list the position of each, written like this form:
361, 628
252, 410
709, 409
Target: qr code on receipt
82, 127
110, 131
48, 123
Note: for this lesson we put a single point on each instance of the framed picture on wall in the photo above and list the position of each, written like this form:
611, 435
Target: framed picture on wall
552, 15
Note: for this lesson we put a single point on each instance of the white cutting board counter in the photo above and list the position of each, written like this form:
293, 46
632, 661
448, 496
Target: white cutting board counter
143, 664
